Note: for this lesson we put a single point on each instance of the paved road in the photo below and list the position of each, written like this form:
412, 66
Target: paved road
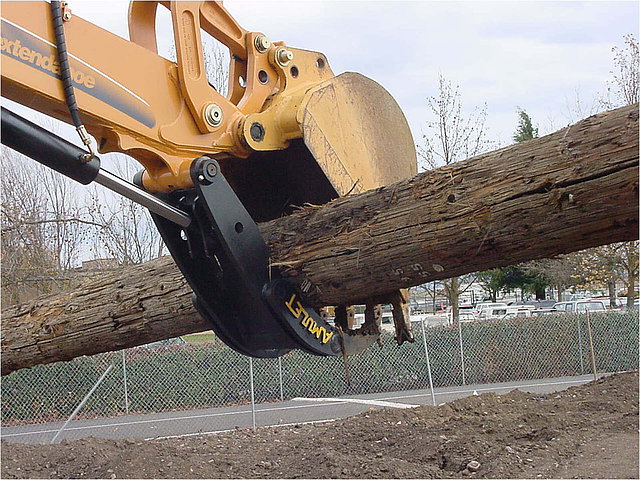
295, 411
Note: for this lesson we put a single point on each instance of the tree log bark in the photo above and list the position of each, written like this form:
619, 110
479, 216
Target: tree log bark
574, 189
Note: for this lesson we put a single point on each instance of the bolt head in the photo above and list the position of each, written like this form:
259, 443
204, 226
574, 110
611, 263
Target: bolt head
207, 170
211, 169
257, 131
213, 114
262, 43
284, 56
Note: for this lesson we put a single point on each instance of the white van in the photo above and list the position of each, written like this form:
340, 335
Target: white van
518, 312
495, 313
466, 313
481, 310
580, 306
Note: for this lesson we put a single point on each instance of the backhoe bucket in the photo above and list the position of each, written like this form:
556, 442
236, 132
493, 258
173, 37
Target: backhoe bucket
354, 138
358, 134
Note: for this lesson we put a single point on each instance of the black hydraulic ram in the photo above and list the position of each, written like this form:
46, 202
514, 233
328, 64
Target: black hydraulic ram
68, 159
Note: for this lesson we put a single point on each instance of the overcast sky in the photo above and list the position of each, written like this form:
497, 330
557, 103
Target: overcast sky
536, 55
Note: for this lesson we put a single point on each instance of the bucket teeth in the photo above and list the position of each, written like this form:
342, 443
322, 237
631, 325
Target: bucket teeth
401, 320
341, 317
372, 319
354, 340
399, 300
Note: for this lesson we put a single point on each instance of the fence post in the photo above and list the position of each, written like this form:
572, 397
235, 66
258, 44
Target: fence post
253, 398
580, 345
593, 355
280, 377
81, 404
124, 376
464, 377
426, 354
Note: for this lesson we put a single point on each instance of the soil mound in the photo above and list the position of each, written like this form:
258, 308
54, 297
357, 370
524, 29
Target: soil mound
590, 431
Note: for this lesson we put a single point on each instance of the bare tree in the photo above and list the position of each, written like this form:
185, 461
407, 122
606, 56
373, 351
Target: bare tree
126, 231
24, 250
451, 136
68, 228
621, 89
559, 272
608, 264
428, 292
577, 108
624, 86
618, 261
43, 227
216, 62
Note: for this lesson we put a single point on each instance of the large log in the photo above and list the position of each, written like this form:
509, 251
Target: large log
573, 189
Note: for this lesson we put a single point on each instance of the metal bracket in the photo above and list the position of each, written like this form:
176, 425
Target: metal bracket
225, 260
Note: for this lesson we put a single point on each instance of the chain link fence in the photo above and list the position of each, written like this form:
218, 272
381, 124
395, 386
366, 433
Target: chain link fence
186, 376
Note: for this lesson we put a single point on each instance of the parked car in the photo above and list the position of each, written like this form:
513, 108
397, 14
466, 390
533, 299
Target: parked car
540, 312
499, 313
635, 307
494, 313
607, 302
580, 306
523, 307
465, 314
386, 322
518, 313
481, 309
167, 342
560, 306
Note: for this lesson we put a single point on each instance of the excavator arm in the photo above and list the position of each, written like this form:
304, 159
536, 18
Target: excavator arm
288, 132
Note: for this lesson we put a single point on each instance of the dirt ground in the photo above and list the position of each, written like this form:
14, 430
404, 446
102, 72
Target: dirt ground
590, 431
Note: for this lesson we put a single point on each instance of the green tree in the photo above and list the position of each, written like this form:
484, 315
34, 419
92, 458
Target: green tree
525, 130
526, 279
491, 281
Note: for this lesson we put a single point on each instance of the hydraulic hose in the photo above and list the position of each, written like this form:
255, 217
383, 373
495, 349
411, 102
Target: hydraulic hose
63, 59
65, 76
